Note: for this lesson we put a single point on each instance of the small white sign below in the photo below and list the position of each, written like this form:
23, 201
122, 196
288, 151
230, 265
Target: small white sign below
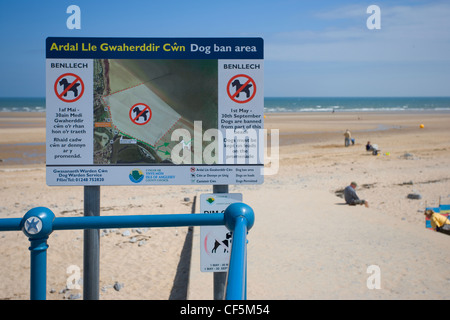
215, 241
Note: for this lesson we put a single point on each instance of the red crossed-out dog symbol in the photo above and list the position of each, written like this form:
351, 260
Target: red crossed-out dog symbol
69, 87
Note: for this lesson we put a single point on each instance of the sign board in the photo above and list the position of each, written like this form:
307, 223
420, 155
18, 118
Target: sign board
154, 111
215, 241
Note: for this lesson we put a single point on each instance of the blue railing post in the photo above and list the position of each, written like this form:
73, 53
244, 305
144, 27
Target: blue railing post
37, 226
239, 218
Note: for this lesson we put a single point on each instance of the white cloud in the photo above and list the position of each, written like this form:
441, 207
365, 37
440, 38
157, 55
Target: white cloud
408, 34
353, 11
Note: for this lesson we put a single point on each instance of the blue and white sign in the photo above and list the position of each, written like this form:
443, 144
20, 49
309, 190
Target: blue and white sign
215, 241
149, 111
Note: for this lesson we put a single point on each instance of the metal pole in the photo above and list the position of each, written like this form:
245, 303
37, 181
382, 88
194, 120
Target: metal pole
220, 278
239, 218
37, 226
38, 266
91, 253
237, 274
135, 221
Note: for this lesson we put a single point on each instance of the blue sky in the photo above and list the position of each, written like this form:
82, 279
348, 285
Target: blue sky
312, 47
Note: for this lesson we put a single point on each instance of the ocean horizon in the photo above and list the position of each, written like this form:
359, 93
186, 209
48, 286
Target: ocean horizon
292, 104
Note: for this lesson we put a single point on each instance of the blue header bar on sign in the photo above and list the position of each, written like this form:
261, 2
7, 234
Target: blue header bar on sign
155, 48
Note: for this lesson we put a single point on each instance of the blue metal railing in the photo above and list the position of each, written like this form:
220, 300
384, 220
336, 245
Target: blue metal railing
40, 222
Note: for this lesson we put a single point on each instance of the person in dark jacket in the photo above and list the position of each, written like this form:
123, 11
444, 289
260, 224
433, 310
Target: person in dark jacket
351, 197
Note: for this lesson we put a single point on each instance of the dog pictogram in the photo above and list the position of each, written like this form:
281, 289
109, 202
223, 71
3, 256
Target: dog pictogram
69, 87
223, 243
244, 84
140, 114
246, 89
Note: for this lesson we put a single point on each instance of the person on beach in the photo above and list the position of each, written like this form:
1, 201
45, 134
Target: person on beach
347, 136
437, 220
372, 147
350, 196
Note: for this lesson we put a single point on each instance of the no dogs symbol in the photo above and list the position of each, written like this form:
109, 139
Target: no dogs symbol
241, 88
69, 87
140, 114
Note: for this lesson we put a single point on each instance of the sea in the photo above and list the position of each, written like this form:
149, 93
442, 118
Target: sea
292, 104
22, 105
356, 104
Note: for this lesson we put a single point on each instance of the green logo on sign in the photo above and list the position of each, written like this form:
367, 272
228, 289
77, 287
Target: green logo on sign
136, 176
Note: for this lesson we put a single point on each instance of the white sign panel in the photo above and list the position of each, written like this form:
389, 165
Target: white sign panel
69, 113
148, 111
215, 241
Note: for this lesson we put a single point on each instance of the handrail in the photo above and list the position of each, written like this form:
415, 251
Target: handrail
10, 224
38, 223
239, 218
121, 221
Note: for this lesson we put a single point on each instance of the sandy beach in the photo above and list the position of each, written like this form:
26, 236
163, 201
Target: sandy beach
305, 244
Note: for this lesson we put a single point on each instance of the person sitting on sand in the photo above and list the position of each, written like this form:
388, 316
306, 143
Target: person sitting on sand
375, 149
372, 147
437, 220
351, 198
